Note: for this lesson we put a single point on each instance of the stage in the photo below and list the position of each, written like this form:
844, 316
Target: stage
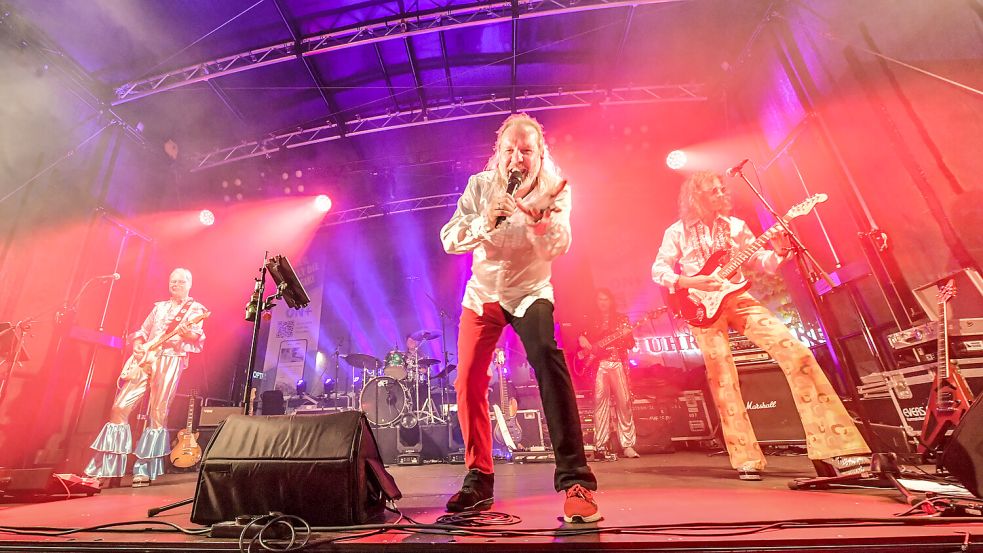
676, 502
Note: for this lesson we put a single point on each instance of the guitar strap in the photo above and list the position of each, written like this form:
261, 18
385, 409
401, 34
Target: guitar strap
179, 316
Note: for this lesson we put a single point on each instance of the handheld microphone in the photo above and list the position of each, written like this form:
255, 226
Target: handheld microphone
114, 276
515, 177
733, 171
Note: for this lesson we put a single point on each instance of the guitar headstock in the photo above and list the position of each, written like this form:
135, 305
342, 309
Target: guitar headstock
947, 292
805, 206
200, 317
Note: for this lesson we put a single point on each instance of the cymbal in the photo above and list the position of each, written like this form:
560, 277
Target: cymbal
424, 335
427, 362
362, 361
446, 371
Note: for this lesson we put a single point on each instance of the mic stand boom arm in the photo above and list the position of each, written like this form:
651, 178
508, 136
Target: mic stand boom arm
812, 271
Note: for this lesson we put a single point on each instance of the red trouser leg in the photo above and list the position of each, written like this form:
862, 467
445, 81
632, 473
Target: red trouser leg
476, 341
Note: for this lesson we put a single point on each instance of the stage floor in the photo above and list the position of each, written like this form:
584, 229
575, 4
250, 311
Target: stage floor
684, 488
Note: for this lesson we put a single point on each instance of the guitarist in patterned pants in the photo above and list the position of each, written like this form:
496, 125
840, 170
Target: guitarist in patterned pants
115, 441
705, 227
611, 392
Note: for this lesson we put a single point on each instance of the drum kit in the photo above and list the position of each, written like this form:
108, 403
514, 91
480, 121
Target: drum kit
396, 390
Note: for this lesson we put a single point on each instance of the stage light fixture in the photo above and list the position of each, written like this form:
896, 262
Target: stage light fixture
322, 203
329, 386
206, 217
676, 159
301, 387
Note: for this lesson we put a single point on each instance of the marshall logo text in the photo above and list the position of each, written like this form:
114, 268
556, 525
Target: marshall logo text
762, 405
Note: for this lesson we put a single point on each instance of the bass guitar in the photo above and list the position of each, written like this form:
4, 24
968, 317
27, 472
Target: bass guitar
588, 357
187, 452
701, 308
144, 360
950, 396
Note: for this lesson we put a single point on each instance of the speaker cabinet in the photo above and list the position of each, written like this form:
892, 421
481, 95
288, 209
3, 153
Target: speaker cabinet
769, 403
324, 469
962, 455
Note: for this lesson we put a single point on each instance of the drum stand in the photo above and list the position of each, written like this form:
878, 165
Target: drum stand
426, 412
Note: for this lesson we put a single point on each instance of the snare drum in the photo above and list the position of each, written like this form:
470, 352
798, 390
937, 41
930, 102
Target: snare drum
384, 401
395, 365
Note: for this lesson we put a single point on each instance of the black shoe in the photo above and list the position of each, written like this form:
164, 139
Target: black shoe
476, 493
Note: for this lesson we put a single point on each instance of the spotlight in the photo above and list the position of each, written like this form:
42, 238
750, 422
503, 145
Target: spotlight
301, 387
206, 217
322, 203
329, 385
408, 420
676, 159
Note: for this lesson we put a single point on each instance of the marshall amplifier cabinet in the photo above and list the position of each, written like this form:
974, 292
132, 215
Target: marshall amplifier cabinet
769, 403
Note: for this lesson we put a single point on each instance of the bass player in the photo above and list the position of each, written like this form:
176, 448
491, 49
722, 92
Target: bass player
181, 316
705, 227
611, 378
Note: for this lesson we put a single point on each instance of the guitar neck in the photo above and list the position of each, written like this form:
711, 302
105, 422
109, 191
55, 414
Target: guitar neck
746, 252
943, 343
191, 409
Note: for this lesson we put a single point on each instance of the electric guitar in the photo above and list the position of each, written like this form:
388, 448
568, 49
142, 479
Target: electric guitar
187, 452
506, 407
144, 361
950, 397
701, 308
587, 357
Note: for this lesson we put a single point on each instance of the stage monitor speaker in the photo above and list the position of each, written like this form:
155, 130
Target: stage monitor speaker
324, 469
962, 455
769, 403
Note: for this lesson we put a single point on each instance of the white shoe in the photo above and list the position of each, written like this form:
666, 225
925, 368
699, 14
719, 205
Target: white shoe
631, 453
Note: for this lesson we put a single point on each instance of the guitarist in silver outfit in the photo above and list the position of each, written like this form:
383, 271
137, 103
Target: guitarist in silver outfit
611, 379
115, 441
705, 227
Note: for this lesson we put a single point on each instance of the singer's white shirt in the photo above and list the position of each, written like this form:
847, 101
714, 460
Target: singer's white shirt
691, 244
511, 263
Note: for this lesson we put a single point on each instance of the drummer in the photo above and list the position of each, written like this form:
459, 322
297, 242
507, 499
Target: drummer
412, 347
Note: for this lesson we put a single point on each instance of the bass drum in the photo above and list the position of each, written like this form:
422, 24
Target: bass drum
384, 400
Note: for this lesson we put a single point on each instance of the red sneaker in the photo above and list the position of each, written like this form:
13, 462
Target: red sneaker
580, 506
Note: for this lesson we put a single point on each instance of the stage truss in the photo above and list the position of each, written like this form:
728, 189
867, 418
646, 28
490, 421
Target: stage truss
493, 105
399, 26
390, 208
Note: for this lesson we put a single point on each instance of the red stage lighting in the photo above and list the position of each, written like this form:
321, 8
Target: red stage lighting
322, 203
206, 217
676, 159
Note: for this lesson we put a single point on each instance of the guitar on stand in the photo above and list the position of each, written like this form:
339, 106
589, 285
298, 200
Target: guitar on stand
187, 452
587, 358
701, 308
144, 360
950, 396
506, 431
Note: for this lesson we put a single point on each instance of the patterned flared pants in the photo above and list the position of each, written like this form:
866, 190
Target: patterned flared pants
828, 427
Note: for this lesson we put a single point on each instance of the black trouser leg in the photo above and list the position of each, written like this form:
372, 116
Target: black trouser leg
535, 329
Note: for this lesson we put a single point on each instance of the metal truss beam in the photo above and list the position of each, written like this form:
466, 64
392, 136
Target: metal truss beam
305, 136
390, 208
396, 27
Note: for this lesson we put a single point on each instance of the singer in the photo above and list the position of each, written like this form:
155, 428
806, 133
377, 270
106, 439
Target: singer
510, 285
115, 441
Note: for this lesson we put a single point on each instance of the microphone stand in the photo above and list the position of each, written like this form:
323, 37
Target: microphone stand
812, 271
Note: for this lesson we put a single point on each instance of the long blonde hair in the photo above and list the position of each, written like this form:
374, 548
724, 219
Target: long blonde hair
694, 187
549, 169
